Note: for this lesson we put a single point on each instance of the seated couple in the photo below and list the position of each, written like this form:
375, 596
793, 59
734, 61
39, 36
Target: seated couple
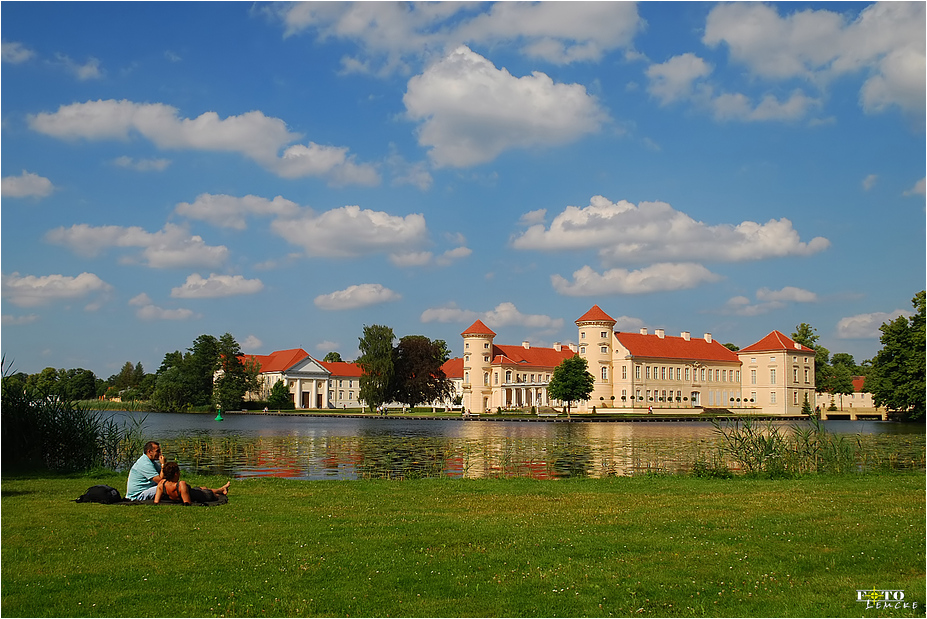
153, 478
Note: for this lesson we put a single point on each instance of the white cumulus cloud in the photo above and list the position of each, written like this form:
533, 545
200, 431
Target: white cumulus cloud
171, 247
767, 300
885, 43
351, 231
504, 314
866, 326
353, 297
142, 165
32, 290
252, 134
14, 52
470, 111
655, 231
26, 185
660, 277
230, 212
214, 286
148, 311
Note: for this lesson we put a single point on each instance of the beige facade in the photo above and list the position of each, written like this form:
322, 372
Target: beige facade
649, 371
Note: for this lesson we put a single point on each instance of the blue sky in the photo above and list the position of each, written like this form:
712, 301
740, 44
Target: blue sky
291, 173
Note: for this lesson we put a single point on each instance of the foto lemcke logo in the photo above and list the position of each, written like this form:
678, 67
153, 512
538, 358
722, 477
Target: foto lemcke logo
883, 598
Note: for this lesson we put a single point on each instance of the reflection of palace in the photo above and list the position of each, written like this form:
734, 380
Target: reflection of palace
641, 370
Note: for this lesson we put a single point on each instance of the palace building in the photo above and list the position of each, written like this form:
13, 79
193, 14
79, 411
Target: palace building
641, 371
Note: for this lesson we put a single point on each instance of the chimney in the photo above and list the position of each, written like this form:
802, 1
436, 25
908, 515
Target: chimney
526, 345
797, 346
708, 337
686, 335
557, 346
660, 333
573, 347
643, 330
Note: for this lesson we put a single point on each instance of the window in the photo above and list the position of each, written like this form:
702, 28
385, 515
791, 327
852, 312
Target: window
678, 373
604, 349
485, 344
637, 372
467, 377
717, 376
351, 395
752, 377
663, 396
703, 374
724, 375
624, 372
582, 350
495, 378
806, 375
795, 374
466, 344
603, 334
709, 375
604, 373
486, 378
772, 376
753, 396
341, 395
772, 397
772, 359
663, 373
794, 397
687, 373
508, 376
532, 378
486, 358
582, 335
647, 371
738, 376
637, 394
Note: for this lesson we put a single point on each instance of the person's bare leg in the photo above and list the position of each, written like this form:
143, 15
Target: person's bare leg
223, 490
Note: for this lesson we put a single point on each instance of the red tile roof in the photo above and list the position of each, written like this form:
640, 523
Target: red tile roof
595, 314
670, 347
858, 382
775, 341
478, 328
453, 368
279, 360
342, 368
530, 357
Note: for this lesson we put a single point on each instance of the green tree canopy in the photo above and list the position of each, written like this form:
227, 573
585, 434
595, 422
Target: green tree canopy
234, 381
280, 397
571, 381
806, 335
417, 376
333, 357
896, 378
201, 367
376, 361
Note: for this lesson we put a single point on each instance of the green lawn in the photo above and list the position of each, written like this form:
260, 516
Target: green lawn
647, 546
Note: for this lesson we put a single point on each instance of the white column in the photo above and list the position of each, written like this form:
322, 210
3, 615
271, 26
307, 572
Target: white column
299, 393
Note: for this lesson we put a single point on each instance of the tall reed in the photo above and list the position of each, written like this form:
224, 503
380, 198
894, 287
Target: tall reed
768, 449
44, 432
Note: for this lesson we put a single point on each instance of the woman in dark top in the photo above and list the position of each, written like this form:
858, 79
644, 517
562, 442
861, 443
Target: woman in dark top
173, 488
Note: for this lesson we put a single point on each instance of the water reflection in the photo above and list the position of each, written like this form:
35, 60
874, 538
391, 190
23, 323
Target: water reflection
359, 448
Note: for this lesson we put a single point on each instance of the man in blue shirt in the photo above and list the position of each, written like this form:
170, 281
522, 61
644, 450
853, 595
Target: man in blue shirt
145, 473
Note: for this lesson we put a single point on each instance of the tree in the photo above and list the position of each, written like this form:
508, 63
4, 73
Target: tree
233, 381
732, 347
280, 397
840, 382
376, 361
172, 390
332, 357
806, 335
201, 367
571, 381
417, 376
896, 379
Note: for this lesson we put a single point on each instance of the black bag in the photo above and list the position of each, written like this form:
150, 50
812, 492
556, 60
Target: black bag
100, 494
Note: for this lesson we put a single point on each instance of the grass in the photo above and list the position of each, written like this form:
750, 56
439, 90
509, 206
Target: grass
645, 546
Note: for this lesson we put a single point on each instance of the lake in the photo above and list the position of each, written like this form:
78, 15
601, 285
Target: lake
304, 447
